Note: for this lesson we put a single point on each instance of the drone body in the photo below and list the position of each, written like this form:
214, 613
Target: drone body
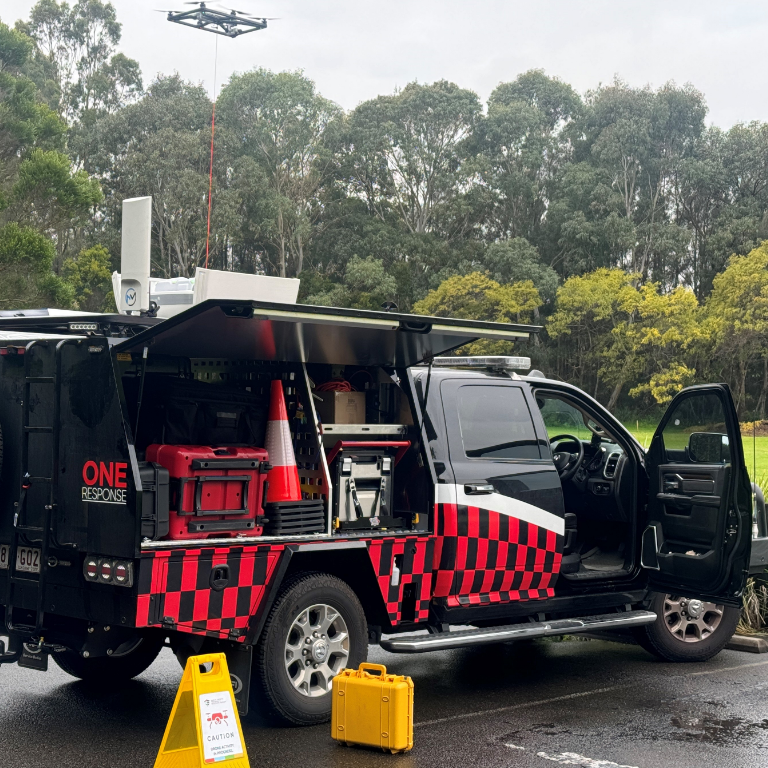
220, 22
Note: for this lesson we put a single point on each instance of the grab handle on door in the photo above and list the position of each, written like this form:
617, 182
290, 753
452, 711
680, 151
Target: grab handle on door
476, 489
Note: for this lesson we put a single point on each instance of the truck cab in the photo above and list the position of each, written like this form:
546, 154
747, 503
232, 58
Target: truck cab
144, 500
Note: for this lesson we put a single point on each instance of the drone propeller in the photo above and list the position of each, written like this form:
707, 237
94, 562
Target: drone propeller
236, 12
258, 18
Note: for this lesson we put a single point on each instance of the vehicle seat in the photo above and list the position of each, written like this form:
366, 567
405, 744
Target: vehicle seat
571, 561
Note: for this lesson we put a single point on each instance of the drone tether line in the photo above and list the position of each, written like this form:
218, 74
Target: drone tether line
220, 22
210, 171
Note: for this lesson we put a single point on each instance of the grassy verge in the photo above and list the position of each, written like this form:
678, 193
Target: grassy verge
755, 455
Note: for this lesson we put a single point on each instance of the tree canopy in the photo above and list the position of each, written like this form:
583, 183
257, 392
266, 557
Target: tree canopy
617, 218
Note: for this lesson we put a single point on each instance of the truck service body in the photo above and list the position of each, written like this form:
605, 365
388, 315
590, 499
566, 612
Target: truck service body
518, 505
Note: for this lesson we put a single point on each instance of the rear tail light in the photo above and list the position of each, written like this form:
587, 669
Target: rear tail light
121, 573
91, 569
105, 570
108, 571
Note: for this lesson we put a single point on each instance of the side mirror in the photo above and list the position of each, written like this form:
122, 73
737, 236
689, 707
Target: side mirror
708, 448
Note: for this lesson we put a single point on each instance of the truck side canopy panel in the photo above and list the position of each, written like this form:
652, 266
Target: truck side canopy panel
304, 334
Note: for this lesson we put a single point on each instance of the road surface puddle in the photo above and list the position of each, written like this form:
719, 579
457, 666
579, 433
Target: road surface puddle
714, 730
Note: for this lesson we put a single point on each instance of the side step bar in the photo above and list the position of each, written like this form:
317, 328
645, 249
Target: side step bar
446, 640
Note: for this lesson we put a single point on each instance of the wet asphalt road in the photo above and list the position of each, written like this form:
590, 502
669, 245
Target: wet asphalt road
539, 704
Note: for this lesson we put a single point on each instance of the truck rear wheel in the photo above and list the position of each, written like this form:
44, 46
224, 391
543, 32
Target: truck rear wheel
687, 629
315, 629
127, 662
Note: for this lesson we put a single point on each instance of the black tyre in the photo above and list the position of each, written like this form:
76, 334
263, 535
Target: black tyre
687, 629
315, 629
133, 659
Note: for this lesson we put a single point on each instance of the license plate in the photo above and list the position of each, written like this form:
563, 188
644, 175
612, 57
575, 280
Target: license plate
28, 559
4, 554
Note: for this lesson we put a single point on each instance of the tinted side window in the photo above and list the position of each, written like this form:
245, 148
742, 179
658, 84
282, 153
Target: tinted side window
496, 424
696, 431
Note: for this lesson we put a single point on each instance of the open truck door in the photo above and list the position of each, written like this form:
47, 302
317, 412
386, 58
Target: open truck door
697, 536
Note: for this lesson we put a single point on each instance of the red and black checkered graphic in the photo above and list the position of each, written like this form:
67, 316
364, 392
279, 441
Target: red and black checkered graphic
485, 557
175, 589
407, 600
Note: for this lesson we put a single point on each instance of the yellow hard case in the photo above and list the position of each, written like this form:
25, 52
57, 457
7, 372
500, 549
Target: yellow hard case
374, 710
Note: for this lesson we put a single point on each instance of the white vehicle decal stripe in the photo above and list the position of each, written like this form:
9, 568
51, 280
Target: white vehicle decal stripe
449, 493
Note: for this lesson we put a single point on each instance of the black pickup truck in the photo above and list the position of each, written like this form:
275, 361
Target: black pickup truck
433, 492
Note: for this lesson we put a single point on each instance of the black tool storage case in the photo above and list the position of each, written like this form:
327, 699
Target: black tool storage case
363, 487
285, 518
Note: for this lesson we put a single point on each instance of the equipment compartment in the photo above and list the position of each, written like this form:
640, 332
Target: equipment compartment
197, 397
234, 400
369, 494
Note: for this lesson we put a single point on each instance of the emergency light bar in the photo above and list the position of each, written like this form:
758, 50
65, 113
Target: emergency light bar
494, 362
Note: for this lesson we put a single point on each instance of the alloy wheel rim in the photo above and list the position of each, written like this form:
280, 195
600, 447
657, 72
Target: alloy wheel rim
316, 649
689, 620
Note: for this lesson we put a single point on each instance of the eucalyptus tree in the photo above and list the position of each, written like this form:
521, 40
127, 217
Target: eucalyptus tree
158, 146
524, 145
278, 126
635, 140
406, 156
83, 74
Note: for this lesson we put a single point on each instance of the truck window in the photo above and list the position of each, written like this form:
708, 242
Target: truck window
696, 432
561, 417
496, 424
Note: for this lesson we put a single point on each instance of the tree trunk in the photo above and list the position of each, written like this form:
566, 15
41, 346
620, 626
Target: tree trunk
615, 395
764, 390
282, 243
741, 399
300, 249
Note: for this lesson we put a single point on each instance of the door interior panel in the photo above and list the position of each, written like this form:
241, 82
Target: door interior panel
695, 527
690, 511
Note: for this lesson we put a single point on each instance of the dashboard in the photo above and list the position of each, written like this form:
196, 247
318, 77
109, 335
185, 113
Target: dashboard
597, 482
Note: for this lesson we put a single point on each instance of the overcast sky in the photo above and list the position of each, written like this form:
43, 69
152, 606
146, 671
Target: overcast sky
357, 49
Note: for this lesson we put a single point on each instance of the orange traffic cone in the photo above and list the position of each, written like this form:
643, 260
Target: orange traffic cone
284, 476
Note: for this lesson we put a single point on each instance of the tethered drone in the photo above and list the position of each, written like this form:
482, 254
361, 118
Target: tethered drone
228, 23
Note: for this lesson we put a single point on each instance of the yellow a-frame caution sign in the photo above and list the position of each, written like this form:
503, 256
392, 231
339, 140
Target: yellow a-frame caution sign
204, 727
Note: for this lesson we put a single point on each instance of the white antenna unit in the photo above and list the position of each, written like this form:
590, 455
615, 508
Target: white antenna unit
135, 255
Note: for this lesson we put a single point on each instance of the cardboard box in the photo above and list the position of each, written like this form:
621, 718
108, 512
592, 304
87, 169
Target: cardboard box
341, 407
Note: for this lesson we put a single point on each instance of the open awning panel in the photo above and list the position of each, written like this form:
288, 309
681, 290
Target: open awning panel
299, 333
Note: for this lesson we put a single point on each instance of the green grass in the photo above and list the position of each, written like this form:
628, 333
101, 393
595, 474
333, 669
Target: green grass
757, 461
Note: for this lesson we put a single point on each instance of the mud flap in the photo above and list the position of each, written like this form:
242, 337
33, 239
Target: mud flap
239, 657
239, 663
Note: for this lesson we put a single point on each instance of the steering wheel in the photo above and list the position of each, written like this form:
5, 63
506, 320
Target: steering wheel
566, 464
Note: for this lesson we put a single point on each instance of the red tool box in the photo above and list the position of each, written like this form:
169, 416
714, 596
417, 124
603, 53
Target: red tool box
215, 491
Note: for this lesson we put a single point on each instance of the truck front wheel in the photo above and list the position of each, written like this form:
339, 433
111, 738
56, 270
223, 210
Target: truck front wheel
315, 629
687, 629
128, 661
